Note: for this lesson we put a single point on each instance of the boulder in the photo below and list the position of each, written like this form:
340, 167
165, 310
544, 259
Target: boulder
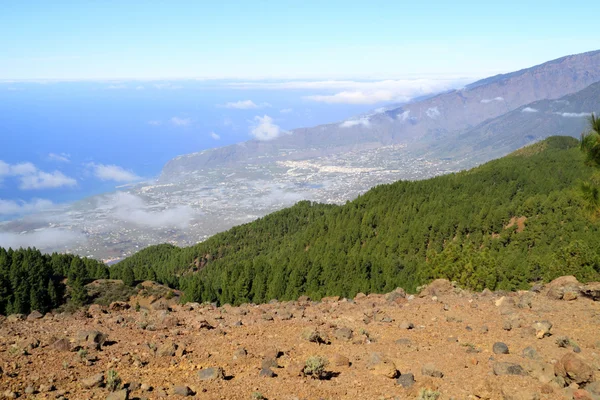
180, 390
506, 368
406, 380
592, 290
62, 345
122, 394
438, 287
565, 288
542, 329
430, 370
34, 315
118, 306
211, 374
500, 348
168, 349
572, 368
394, 296
343, 333
381, 365
267, 373
93, 381
339, 360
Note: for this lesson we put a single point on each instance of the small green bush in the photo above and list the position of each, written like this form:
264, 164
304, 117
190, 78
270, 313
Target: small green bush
315, 367
428, 394
113, 381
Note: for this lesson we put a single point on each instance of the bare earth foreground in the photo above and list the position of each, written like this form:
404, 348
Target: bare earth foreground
541, 344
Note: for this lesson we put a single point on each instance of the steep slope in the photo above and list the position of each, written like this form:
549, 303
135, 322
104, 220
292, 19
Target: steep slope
501, 225
535, 121
416, 123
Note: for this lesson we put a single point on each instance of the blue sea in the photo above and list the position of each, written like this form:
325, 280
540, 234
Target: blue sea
138, 126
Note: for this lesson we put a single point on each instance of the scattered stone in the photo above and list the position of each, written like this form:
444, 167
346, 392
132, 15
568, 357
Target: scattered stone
15, 317
62, 345
267, 373
406, 380
484, 329
339, 360
592, 290
506, 368
167, 349
34, 315
563, 341
542, 329
594, 388
406, 325
240, 353
572, 368
145, 387
541, 371
381, 365
211, 374
530, 352
118, 306
507, 325
430, 370
500, 348
267, 317
394, 296
180, 390
269, 362
29, 390
343, 334
122, 394
404, 342
93, 381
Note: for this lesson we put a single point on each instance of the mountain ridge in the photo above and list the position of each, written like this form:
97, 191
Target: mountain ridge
415, 124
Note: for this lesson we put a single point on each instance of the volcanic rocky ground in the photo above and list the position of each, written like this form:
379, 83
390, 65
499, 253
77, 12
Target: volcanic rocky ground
538, 344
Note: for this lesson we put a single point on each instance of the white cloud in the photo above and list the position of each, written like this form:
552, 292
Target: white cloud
43, 239
364, 92
529, 110
354, 122
241, 105
154, 123
62, 157
245, 105
215, 136
133, 209
112, 173
358, 97
139, 87
265, 129
285, 110
433, 112
404, 116
32, 178
181, 121
116, 87
12, 207
485, 101
46, 180
574, 115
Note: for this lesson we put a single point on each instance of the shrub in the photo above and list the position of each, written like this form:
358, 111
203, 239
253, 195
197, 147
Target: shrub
428, 394
315, 367
113, 381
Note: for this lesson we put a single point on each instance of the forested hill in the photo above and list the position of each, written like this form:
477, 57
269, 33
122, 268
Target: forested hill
502, 225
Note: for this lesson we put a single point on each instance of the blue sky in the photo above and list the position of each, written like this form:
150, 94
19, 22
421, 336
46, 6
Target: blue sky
286, 39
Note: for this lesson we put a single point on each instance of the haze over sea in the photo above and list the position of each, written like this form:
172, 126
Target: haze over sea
73, 127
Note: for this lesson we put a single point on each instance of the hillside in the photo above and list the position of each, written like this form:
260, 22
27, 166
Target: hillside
565, 116
445, 343
417, 124
502, 225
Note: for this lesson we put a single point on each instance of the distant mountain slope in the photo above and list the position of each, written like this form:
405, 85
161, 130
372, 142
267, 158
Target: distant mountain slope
416, 124
566, 116
501, 225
